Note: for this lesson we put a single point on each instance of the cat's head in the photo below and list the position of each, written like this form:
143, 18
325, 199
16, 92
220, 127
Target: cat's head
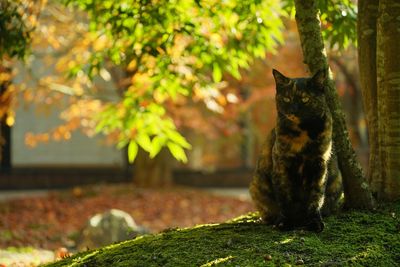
298, 98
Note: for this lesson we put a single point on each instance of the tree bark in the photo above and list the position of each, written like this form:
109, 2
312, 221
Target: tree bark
388, 95
156, 172
366, 37
5, 147
356, 190
5, 129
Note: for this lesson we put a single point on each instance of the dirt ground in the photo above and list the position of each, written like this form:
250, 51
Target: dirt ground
54, 220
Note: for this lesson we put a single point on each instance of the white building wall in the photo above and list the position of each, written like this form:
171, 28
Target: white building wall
80, 150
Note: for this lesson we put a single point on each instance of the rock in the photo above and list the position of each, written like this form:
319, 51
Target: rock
107, 228
267, 257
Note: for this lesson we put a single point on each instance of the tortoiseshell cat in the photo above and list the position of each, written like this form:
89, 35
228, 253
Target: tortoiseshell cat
297, 176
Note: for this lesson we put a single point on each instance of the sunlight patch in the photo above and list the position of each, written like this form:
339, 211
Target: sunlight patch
217, 261
287, 240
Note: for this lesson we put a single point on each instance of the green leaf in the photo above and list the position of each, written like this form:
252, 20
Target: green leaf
157, 143
129, 22
122, 143
217, 73
177, 151
132, 151
178, 139
144, 141
234, 70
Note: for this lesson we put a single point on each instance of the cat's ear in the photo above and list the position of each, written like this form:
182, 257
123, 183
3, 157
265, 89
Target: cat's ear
280, 78
319, 78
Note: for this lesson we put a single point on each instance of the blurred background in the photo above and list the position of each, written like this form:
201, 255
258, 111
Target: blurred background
71, 147
51, 139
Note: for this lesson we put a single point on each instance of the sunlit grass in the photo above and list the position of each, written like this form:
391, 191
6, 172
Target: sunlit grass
349, 239
217, 261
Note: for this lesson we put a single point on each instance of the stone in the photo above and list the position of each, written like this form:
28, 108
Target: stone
107, 228
267, 257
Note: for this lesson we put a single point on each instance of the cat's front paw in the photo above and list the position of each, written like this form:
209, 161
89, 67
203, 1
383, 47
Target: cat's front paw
316, 225
284, 224
269, 220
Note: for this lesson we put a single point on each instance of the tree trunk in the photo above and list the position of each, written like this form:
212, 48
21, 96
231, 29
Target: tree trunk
5, 129
388, 95
356, 190
5, 146
156, 172
366, 35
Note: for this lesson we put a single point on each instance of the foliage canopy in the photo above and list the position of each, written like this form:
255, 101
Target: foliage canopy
159, 53
17, 22
338, 19
170, 50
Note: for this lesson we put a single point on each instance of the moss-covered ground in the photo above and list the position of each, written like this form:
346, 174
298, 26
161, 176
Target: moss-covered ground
351, 238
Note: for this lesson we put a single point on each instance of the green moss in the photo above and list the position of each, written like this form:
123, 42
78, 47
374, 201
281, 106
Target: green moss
349, 239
